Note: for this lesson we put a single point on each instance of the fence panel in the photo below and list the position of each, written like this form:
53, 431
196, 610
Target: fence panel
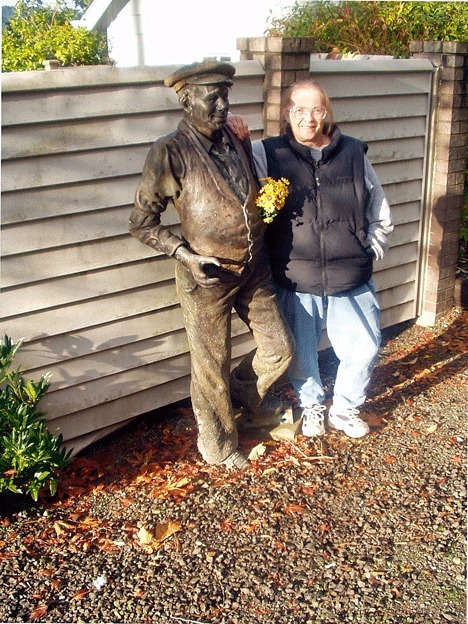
98, 309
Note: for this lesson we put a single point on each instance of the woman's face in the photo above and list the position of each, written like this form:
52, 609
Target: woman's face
307, 117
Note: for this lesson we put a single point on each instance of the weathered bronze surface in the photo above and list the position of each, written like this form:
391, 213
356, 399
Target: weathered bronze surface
221, 262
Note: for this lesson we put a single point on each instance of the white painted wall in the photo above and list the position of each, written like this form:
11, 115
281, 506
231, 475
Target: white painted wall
184, 31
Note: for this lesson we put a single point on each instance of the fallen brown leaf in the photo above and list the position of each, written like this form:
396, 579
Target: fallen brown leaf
163, 531
61, 527
226, 525
145, 536
257, 452
373, 420
252, 527
294, 509
80, 594
38, 612
409, 362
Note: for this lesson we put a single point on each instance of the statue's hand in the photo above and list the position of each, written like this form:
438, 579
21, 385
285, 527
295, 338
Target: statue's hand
198, 266
238, 125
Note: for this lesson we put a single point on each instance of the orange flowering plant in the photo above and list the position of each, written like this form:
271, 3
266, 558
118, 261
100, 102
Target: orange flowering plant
271, 197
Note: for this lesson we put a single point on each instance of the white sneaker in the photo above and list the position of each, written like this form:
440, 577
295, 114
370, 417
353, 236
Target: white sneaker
348, 420
313, 420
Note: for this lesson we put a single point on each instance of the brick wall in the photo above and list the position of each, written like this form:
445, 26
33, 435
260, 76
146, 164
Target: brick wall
285, 60
447, 174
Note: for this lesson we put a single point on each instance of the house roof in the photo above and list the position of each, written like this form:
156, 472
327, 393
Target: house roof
100, 14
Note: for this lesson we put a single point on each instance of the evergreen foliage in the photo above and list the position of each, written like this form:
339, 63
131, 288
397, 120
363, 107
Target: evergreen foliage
372, 27
38, 31
30, 456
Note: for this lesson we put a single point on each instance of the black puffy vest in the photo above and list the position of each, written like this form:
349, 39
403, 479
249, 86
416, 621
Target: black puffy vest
317, 242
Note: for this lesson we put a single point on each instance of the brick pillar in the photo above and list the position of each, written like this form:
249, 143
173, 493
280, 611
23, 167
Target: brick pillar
448, 174
285, 60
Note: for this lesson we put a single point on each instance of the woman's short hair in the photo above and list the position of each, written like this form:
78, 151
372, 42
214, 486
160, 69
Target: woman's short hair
287, 103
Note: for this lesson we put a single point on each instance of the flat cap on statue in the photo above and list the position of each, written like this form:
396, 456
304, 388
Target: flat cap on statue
204, 73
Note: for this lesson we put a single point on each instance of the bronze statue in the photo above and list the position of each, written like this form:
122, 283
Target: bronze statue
221, 261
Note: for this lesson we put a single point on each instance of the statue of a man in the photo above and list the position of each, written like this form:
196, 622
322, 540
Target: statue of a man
221, 261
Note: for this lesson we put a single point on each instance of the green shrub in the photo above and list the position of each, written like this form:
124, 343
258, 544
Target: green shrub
30, 456
372, 27
38, 31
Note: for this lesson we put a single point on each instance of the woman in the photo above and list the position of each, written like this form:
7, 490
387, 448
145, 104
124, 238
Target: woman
322, 246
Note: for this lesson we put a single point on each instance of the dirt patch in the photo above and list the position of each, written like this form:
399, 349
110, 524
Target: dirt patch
327, 530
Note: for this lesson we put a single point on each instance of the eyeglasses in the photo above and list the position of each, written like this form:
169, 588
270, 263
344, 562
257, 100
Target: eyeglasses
300, 112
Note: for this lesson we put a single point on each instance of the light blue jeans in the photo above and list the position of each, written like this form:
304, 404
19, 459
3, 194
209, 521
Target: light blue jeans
352, 323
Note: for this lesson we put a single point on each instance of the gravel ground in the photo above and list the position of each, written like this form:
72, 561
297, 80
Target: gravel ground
315, 531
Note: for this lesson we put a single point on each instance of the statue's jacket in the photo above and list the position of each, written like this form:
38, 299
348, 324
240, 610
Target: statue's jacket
214, 220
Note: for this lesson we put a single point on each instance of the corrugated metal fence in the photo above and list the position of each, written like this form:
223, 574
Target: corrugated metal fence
98, 309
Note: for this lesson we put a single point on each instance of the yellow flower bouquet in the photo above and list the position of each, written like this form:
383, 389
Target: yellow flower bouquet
271, 197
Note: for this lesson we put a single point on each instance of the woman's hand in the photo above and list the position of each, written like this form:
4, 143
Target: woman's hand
238, 125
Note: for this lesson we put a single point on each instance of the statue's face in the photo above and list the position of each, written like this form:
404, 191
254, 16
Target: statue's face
207, 107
